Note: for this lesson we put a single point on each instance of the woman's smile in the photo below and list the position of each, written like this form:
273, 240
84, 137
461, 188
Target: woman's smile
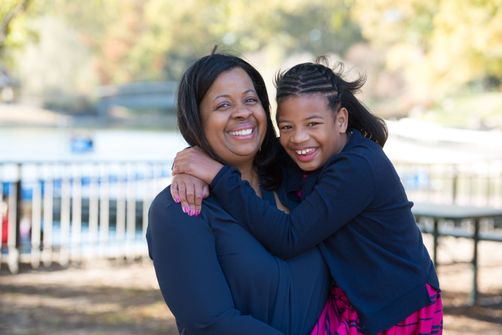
243, 133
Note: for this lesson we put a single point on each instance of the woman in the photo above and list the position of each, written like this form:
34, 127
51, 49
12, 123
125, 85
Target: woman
214, 276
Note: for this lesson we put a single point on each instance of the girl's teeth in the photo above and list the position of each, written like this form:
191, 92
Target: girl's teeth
242, 132
304, 151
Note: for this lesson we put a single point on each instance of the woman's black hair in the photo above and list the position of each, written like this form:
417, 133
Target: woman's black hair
311, 78
194, 85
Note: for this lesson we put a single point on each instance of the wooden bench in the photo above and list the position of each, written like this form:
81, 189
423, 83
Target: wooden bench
456, 213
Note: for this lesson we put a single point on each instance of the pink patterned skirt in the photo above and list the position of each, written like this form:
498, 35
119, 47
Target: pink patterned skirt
340, 318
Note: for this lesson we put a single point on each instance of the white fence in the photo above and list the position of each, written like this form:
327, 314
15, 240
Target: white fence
62, 212
476, 184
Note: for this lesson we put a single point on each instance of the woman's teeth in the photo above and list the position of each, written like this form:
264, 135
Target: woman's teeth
242, 132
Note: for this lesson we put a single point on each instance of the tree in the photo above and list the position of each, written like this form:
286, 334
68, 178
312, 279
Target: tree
131, 40
10, 11
159, 38
440, 45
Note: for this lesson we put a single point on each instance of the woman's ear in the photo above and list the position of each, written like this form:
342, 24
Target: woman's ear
342, 119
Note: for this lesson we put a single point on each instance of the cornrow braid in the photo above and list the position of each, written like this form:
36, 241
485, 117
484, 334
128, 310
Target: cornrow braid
318, 77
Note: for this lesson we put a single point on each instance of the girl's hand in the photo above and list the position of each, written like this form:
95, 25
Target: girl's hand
195, 162
190, 191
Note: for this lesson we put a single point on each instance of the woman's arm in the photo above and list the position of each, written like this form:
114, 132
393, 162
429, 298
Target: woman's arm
189, 275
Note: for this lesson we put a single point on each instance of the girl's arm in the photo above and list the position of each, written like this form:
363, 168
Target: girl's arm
344, 189
189, 191
189, 275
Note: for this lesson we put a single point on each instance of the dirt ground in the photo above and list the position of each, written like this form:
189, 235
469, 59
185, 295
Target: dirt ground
111, 298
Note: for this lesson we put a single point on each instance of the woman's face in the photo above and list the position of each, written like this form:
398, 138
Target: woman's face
233, 117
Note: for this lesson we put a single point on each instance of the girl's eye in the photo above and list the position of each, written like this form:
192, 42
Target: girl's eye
284, 127
251, 100
312, 124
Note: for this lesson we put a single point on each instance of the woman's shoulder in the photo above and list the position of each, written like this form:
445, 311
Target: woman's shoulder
165, 210
162, 200
166, 219
164, 207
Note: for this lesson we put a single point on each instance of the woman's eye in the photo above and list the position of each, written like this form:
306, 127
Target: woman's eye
223, 105
285, 127
251, 100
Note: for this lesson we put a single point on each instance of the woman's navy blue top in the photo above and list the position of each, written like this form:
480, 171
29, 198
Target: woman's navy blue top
357, 210
217, 278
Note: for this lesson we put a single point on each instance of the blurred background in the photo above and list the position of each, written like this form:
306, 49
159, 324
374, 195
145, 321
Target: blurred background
88, 131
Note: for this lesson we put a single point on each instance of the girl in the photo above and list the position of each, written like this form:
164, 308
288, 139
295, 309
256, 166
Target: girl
353, 206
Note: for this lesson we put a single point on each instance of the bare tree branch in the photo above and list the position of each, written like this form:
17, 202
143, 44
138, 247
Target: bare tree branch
7, 20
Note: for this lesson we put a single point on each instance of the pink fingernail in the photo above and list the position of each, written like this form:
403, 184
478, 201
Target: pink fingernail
177, 199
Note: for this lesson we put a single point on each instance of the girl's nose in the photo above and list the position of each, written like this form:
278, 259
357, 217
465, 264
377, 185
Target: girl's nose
299, 136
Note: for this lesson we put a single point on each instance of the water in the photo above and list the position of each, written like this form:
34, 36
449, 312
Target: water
49, 144
409, 141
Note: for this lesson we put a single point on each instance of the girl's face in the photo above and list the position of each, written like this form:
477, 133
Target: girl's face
233, 117
310, 131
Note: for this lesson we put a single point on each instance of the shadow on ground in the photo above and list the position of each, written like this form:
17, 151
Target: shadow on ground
489, 308
124, 299
71, 308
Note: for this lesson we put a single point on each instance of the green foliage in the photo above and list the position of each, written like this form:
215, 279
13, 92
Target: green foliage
169, 35
419, 50
440, 45
468, 110
157, 39
13, 25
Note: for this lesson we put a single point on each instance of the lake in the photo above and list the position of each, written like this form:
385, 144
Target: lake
409, 140
48, 144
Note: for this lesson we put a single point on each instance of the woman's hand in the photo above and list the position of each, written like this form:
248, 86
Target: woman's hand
189, 191
195, 162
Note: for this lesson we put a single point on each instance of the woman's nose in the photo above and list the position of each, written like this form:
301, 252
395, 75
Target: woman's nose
242, 112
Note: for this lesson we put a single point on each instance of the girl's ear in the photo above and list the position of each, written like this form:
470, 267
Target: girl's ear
342, 119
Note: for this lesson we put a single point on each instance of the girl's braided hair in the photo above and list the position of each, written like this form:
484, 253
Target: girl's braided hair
319, 78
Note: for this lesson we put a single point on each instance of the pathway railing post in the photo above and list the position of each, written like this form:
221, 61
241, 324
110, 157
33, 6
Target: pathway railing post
14, 221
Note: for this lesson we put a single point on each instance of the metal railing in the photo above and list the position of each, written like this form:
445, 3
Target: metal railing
476, 184
62, 212
473, 184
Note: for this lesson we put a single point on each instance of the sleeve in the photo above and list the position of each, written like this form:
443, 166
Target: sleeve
189, 275
345, 188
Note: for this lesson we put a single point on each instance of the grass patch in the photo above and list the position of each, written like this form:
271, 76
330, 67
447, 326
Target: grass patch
468, 110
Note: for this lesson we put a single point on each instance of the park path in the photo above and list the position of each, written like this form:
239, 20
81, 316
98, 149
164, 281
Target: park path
112, 298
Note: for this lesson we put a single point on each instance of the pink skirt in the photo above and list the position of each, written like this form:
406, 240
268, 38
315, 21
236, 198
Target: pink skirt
340, 318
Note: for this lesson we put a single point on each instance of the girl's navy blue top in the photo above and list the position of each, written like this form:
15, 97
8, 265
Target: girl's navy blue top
357, 210
217, 278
